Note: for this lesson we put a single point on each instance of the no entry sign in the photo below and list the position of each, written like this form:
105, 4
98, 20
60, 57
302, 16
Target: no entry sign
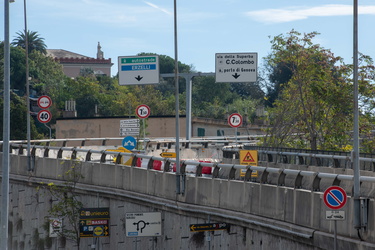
335, 197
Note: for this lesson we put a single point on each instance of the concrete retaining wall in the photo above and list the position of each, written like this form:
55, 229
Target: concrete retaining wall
262, 216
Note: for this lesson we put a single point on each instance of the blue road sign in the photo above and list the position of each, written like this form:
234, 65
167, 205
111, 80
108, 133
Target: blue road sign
129, 143
335, 197
138, 67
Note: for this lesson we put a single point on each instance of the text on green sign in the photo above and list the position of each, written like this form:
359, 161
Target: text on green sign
138, 60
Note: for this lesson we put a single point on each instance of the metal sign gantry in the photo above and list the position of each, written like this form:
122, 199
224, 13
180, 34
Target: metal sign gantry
189, 83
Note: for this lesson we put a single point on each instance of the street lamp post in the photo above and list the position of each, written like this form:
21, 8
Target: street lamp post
6, 133
180, 184
29, 168
355, 153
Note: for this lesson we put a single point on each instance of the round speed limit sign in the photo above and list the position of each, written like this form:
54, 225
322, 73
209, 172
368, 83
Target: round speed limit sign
44, 116
235, 120
143, 111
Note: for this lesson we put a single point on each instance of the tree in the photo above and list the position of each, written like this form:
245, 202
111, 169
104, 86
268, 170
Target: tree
35, 42
313, 108
65, 201
18, 119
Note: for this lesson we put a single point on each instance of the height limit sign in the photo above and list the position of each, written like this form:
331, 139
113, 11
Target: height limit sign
235, 120
143, 111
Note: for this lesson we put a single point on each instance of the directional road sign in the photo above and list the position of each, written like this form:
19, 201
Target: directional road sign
129, 127
168, 154
44, 116
236, 67
138, 70
129, 123
94, 222
208, 227
143, 111
235, 120
44, 102
129, 143
335, 197
143, 224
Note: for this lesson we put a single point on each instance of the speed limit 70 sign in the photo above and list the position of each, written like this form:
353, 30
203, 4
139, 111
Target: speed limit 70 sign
44, 116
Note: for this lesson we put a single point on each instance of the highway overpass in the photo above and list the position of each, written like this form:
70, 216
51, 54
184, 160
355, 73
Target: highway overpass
282, 208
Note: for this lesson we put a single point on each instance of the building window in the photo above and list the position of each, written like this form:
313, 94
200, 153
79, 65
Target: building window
201, 132
220, 132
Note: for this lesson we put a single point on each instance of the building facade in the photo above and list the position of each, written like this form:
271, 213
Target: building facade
74, 63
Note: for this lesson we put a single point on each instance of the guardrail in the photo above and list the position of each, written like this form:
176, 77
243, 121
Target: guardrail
322, 159
159, 142
297, 176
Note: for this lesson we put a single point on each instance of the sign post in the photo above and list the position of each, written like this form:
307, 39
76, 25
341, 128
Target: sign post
335, 198
235, 120
44, 102
143, 111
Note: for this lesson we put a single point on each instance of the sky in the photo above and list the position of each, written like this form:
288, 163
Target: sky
204, 27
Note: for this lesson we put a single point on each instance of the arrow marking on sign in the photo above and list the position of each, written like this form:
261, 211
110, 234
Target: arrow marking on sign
236, 76
138, 78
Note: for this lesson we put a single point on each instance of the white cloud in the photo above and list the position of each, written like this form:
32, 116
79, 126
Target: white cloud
299, 13
158, 8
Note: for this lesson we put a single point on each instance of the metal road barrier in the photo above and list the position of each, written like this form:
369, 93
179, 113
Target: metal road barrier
320, 158
284, 177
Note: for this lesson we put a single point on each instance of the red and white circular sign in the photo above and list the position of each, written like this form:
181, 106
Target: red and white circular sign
335, 197
44, 116
44, 102
143, 111
235, 120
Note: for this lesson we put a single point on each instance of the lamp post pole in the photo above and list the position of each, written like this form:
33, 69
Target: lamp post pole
6, 133
29, 168
355, 153
179, 180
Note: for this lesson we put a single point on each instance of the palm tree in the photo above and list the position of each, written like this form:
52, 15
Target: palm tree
35, 42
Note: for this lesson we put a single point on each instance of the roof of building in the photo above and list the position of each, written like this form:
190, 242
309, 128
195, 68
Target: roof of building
61, 53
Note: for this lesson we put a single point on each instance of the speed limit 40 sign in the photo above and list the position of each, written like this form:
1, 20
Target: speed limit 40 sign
44, 116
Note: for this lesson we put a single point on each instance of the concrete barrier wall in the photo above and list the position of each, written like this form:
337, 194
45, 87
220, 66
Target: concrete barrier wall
257, 204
